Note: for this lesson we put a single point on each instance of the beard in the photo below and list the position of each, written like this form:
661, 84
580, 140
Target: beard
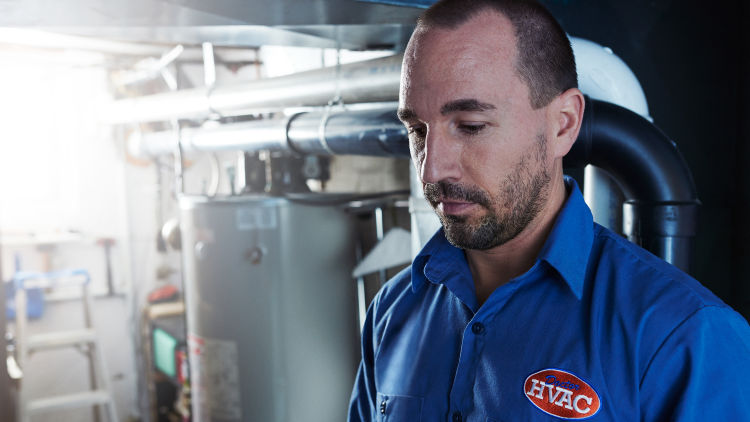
519, 200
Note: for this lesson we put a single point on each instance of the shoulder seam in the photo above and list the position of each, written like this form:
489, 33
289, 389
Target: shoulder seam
669, 335
603, 232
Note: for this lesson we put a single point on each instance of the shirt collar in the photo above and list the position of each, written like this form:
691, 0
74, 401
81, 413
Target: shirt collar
568, 245
436, 261
566, 249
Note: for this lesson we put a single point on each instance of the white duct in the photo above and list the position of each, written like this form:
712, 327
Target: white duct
362, 82
604, 76
254, 135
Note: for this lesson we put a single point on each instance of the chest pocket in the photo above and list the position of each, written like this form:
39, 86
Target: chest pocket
392, 408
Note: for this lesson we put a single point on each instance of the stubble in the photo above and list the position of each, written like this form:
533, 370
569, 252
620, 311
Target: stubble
518, 201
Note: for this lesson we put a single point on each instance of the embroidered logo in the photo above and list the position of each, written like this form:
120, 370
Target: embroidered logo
562, 394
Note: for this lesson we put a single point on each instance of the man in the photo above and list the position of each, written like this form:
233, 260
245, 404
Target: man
521, 308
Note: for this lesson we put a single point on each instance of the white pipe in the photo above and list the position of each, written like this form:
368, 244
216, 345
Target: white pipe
209, 66
604, 76
367, 81
253, 135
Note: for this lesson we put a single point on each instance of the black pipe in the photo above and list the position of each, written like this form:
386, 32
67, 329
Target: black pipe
644, 161
661, 207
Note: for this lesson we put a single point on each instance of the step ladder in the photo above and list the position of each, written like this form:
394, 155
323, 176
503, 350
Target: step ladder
84, 339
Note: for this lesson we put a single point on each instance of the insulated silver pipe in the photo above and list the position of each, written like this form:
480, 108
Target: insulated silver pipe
375, 132
361, 82
246, 136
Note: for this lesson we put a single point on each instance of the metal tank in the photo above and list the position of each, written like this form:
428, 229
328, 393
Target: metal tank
271, 309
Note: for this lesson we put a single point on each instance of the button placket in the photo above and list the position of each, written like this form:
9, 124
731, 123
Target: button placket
471, 348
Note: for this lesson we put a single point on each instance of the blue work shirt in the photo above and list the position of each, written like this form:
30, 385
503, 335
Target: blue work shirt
598, 329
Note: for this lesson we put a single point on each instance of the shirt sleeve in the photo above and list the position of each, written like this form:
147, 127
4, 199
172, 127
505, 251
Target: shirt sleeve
362, 404
698, 372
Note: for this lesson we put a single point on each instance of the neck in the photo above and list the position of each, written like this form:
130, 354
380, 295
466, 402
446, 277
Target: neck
494, 267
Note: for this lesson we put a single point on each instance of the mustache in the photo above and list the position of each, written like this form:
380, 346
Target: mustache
435, 192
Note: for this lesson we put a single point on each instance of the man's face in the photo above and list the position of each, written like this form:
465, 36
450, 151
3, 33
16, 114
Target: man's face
479, 148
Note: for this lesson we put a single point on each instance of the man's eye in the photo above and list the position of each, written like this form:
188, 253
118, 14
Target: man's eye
471, 129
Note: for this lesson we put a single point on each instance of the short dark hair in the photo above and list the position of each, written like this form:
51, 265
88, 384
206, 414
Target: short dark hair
545, 58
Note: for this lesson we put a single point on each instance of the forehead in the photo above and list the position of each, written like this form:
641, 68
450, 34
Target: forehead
474, 60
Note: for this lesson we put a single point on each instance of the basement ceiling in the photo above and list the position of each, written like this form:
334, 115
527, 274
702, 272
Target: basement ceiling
351, 24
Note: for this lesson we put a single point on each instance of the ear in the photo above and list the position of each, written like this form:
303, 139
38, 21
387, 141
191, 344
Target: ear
565, 116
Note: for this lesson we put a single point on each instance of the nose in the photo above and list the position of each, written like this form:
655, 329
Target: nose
441, 158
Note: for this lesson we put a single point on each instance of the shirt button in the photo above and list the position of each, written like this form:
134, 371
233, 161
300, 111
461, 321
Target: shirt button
382, 407
457, 417
477, 328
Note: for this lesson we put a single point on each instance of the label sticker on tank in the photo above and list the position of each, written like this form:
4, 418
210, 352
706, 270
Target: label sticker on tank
256, 218
215, 379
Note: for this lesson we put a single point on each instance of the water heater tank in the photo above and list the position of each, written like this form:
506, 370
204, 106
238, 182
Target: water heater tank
271, 309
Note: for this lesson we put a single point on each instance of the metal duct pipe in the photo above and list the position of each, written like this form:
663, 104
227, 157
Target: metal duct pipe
246, 136
661, 207
360, 82
376, 132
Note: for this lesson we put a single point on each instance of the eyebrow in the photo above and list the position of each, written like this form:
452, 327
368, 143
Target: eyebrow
465, 104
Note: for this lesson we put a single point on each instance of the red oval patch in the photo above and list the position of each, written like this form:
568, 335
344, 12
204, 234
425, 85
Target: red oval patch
562, 394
